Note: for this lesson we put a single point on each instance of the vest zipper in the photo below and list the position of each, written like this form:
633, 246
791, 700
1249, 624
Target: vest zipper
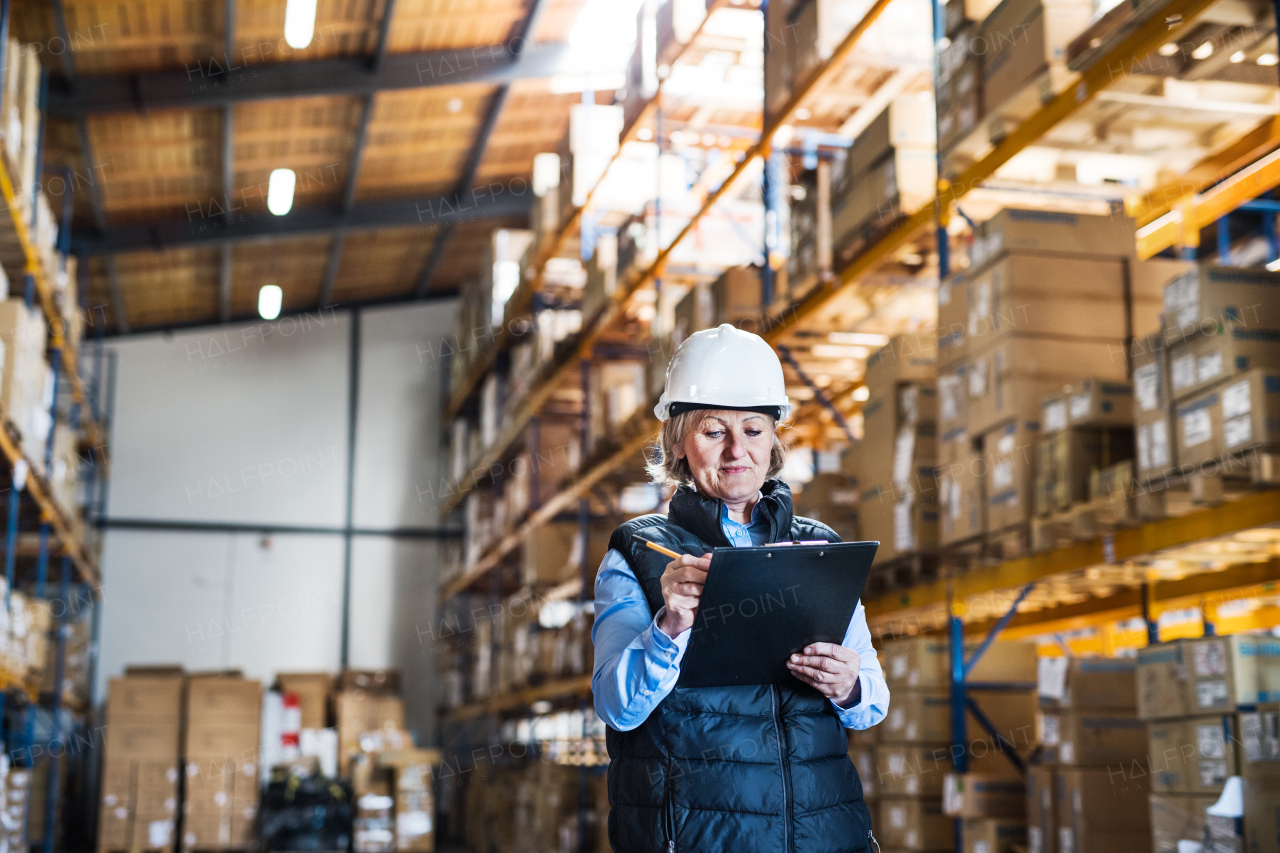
782, 765
872, 839
668, 815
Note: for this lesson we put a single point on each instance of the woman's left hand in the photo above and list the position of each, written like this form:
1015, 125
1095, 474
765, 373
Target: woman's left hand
830, 668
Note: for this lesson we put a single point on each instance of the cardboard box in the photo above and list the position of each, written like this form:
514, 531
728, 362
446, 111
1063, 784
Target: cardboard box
864, 761
1042, 810
1050, 232
1261, 815
906, 358
1161, 678
1087, 683
1094, 403
1091, 738
1097, 813
902, 521
736, 296
553, 553
1237, 415
1258, 752
1204, 358
994, 835
924, 661
1068, 459
915, 825
1210, 295
223, 701
1010, 377
833, 500
1025, 39
1181, 817
962, 484
902, 182
1154, 436
1194, 755
963, 108
359, 713
312, 690
383, 681
1224, 673
972, 795
924, 716
1009, 452
908, 122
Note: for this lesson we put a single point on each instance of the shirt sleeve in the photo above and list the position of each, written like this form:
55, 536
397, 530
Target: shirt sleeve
636, 664
874, 704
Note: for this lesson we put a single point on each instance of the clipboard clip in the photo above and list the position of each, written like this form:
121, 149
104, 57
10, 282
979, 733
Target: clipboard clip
798, 542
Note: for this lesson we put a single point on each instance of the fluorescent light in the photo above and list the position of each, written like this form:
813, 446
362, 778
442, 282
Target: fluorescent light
546, 173
280, 191
1204, 51
1274, 266
270, 298
862, 394
299, 23
568, 84
644, 134
857, 339
1167, 49
1238, 56
603, 23
1267, 59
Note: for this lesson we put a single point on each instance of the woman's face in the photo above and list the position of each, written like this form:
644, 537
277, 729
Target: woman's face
728, 453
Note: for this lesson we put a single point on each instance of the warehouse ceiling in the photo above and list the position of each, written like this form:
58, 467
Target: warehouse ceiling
171, 114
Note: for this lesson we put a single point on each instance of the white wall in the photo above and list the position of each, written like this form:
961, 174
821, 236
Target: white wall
248, 425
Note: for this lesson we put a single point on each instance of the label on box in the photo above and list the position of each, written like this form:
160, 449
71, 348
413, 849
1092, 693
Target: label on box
1055, 416
898, 666
1235, 400
1159, 443
1050, 730
1146, 387
895, 720
1035, 842
1080, 406
1051, 677
913, 784
1144, 447
109, 800
1002, 474
1210, 742
1209, 367
1182, 372
1213, 774
944, 293
978, 378
981, 847
1237, 431
121, 812
1210, 658
903, 536
1260, 733
1211, 694
911, 730
981, 309
898, 817
1196, 427
1066, 840
1067, 752
409, 824
911, 837
904, 455
949, 397
158, 833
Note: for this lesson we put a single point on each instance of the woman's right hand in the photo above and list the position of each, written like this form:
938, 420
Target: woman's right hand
682, 591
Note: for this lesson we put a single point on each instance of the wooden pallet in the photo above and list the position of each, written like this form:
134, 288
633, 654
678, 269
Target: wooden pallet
1229, 479
960, 558
1009, 543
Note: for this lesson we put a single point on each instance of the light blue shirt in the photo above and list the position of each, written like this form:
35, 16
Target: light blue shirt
637, 665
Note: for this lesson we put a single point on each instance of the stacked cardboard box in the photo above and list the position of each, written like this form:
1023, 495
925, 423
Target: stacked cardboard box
960, 73
1221, 346
831, 498
1087, 730
368, 719
617, 391
896, 462
223, 718
313, 690
913, 759
1047, 298
1204, 702
413, 797
891, 171
139, 805
1025, 42
1084, 427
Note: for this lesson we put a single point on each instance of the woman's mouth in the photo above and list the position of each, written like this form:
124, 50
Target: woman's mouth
735, 469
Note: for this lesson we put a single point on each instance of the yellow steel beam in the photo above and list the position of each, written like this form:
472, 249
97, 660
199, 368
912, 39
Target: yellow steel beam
1114, 64
1181, 226
1252, 510
1250, 148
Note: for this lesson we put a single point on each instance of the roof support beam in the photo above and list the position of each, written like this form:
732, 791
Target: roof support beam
228, 164
208, 85
212, 231
478, 148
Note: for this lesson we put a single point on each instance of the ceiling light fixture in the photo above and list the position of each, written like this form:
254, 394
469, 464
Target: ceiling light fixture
1238, 56
299, 23
1267, 59
280, 191
1274, 266
857, 339
1204, 51
1167, 49
270, 298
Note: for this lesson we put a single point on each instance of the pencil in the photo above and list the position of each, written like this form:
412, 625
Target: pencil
655, 546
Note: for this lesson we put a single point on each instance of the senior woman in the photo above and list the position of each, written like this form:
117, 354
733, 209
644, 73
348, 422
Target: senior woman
744, 768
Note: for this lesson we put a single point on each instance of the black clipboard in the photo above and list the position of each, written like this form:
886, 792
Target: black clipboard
761, 605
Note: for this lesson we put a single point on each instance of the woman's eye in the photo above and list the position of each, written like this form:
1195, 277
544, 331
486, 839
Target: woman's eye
753, 432
715, 433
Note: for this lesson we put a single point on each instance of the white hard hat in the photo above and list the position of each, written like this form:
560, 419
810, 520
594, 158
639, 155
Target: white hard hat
724, 368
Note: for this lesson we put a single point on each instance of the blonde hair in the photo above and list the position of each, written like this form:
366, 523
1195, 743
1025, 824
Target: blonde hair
665, 469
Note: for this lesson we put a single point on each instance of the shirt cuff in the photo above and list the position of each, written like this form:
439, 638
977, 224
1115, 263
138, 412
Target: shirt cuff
848, 715
655, 641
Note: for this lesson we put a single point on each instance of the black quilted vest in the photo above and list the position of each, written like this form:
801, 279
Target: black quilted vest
751, 769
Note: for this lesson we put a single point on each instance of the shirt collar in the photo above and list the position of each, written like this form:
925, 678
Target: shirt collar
755, 513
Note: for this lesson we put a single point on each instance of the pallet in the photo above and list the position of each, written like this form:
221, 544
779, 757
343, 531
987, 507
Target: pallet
1228, 479
964, 556
1009, 543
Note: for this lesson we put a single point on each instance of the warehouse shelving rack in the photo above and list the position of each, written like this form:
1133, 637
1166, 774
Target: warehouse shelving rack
1024, 593
79, 579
